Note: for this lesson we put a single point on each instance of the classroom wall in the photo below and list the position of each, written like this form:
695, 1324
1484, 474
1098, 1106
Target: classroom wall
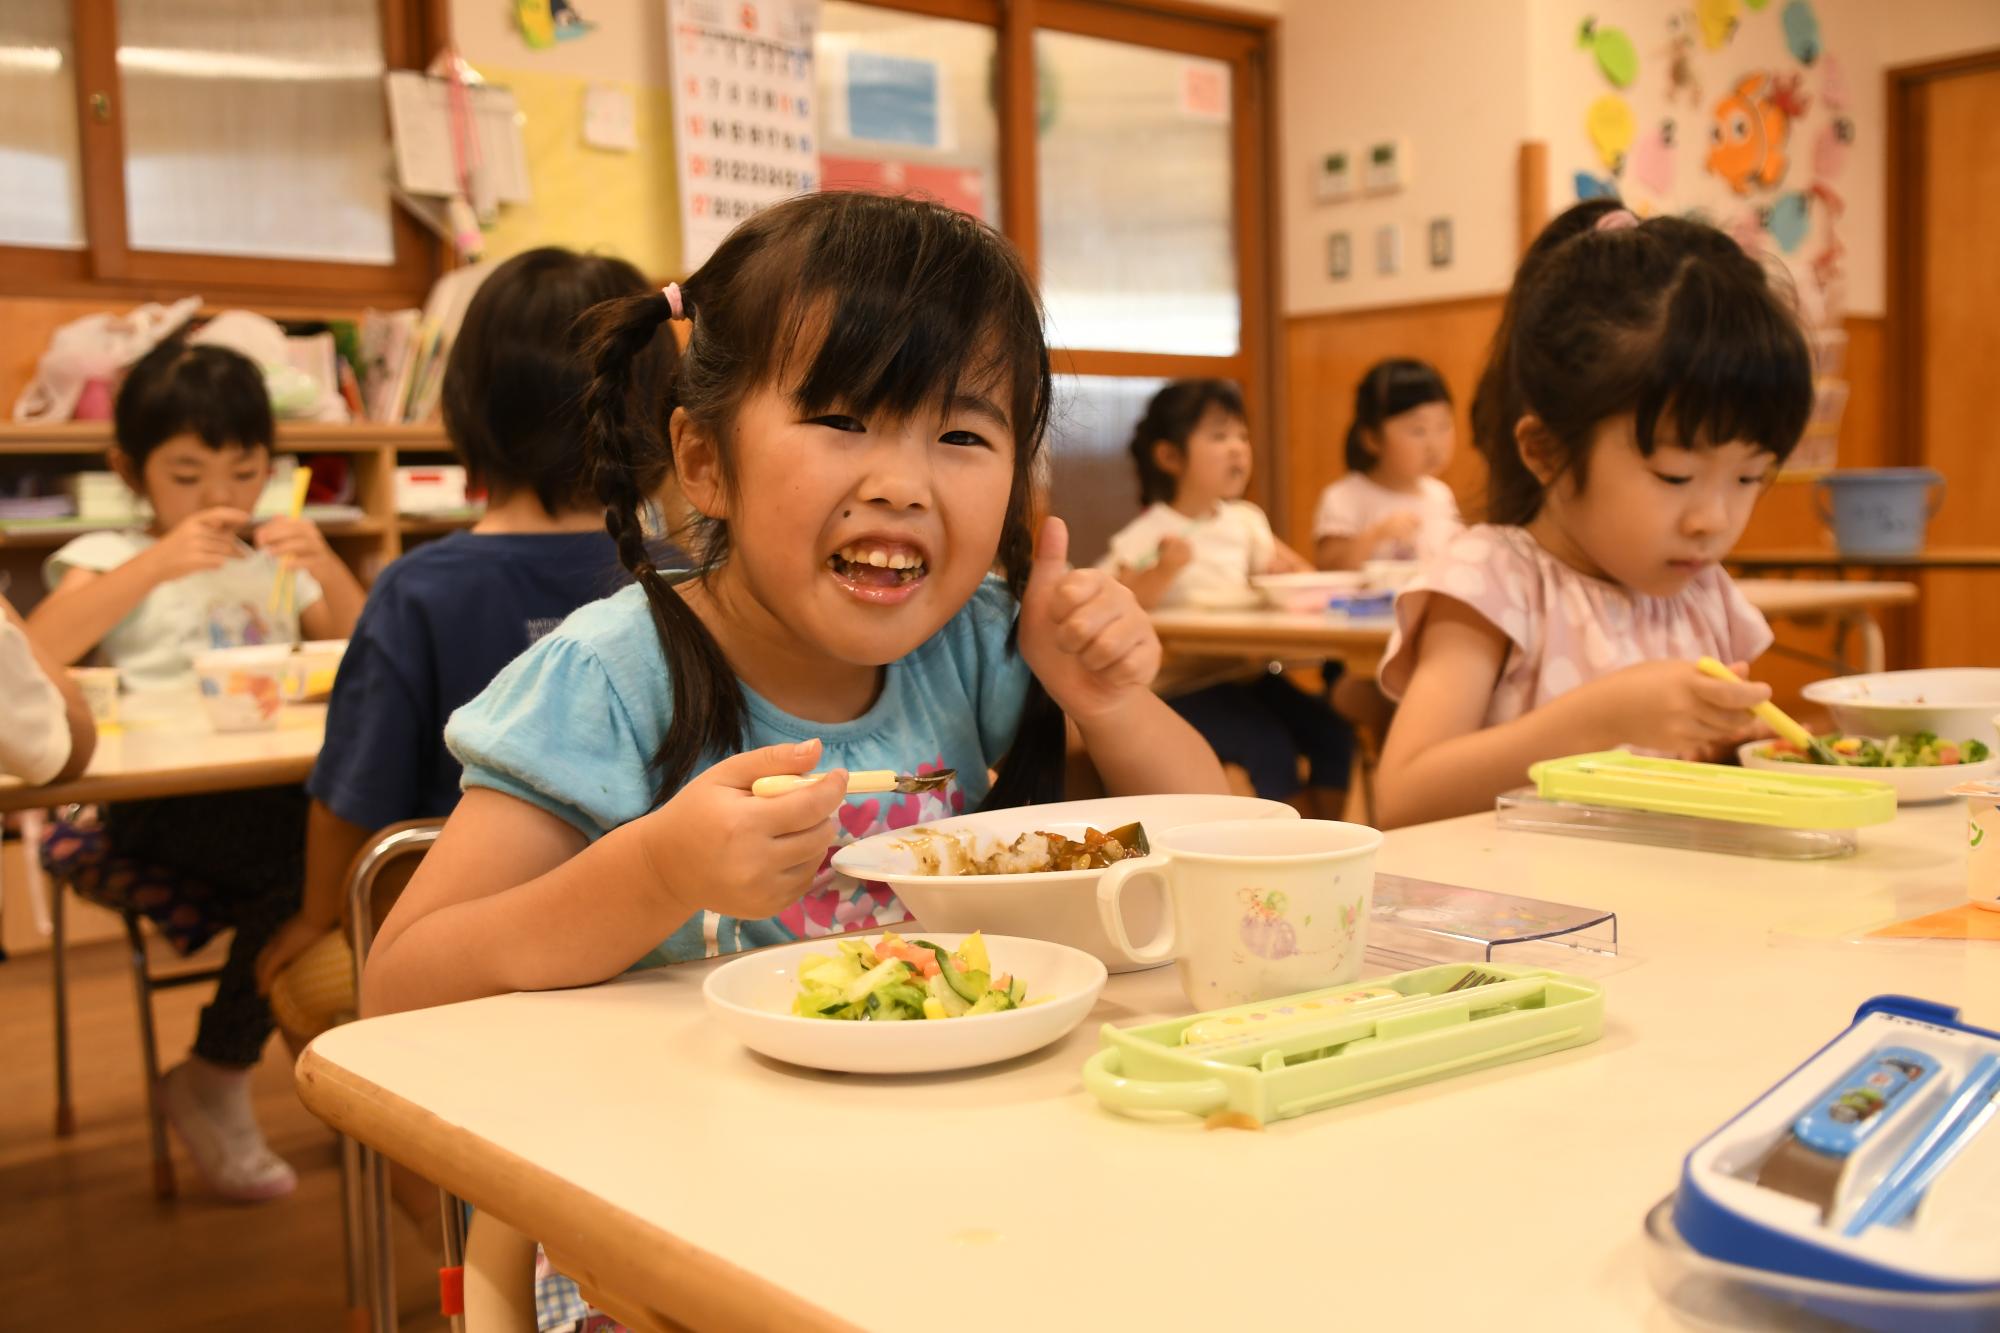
1464, 82
586, 198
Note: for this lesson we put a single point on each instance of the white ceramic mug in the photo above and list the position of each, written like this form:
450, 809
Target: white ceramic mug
242, 689
1256, 908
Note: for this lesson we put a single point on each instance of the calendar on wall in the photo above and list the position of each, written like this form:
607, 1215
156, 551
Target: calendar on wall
745, 127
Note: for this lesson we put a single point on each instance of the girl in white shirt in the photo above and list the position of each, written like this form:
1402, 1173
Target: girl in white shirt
1391, 505
1197, 543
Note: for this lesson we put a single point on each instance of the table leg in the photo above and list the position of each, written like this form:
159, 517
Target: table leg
1874, 655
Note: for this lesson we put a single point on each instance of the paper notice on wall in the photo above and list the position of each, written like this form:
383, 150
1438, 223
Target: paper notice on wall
744, 106
442, 133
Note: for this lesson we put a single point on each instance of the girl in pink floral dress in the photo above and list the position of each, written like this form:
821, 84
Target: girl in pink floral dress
1645, 385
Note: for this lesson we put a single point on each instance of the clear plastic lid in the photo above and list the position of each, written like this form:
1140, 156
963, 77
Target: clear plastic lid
1528, 812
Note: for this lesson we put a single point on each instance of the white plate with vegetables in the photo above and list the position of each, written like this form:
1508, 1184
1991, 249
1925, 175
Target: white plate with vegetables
1920, 766
886, 1004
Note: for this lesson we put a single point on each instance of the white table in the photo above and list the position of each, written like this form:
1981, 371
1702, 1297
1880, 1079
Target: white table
1359, 644
689, 1184
162, 745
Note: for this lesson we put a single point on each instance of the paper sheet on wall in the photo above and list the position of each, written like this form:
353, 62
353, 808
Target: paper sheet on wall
744, 102
420, 122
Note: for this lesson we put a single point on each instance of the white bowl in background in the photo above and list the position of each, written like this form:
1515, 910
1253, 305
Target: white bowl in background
1059, 905
1310, 591
1391, 575
1913, 786
242, 689
752, 997
1956, 703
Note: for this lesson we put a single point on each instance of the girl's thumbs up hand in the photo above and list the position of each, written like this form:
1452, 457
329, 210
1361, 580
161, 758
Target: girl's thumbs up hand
1082, 632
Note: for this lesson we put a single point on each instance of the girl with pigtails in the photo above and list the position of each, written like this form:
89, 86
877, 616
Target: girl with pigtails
855, 425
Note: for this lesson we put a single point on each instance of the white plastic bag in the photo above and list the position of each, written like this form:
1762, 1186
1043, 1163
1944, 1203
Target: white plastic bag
92, 348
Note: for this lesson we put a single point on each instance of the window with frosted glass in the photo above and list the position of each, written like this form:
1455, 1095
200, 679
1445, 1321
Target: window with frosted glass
41, 183
906, 106
1134, 184
255, 127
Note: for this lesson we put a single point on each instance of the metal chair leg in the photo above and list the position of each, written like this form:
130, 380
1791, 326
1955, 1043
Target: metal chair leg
452, 1213
156, 1117
59, 962
353, 1232
382, 1265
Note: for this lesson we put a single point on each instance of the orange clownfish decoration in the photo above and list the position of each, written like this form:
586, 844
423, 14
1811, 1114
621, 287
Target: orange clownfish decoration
1751, 128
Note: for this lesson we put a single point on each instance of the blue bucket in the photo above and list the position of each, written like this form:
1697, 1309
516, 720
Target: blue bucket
1879, 511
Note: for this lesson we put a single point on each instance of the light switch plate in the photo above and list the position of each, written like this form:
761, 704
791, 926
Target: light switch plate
1388, 248
1333, 176
1440, 242
1387, 168
1339, 255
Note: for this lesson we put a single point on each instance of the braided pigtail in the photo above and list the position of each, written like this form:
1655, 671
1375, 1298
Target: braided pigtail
1031, 773
630, 458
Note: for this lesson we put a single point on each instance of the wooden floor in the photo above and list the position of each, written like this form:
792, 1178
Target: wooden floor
84, 1245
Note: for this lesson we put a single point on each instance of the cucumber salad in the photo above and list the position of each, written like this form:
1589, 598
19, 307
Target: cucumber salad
1918, 749
895, 979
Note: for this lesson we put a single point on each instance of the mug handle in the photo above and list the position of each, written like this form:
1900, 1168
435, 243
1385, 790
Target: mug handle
292, 683
1111, 884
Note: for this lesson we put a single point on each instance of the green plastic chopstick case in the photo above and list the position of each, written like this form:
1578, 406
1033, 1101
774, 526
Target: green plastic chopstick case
1311, 1051
1714, 791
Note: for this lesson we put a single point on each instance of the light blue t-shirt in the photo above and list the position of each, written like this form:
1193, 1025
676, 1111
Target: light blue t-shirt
572, 726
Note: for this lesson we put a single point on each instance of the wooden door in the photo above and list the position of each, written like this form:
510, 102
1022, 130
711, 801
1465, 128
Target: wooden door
1945, 316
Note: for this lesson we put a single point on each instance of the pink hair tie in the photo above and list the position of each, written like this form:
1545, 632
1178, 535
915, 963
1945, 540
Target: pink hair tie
1618, 219
672, 291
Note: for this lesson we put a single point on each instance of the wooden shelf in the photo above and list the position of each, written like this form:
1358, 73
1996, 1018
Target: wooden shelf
86, 438
53, 535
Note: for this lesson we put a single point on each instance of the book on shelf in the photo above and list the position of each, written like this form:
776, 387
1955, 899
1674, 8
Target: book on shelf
404, 352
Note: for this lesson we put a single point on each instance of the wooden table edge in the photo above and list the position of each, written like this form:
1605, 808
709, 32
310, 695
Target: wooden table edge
607, 1250
244, 775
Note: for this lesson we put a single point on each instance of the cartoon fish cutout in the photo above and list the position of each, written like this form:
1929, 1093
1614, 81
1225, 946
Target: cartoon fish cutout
1788, 221
1652, 160
1752, 126
1594, 187
1717, 20
1802, 32
1830, 152
1611, 128
1616, 57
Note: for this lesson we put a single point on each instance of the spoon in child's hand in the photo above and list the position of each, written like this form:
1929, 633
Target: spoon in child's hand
1781, 721
858, 784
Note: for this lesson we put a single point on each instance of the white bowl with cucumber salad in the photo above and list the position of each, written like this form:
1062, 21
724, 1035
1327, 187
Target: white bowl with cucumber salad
1050, 987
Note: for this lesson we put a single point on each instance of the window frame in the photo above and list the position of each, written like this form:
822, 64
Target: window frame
107, 265
1247, 42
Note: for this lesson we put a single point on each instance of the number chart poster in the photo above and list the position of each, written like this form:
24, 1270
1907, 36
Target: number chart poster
745, 132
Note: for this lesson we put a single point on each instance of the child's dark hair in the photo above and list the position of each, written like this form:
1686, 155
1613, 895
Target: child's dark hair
1667, 319
517, 373
180, 388
880, 305
1389, 389
1170, 419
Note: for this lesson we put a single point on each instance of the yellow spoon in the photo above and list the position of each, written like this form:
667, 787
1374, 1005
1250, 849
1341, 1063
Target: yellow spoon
1781, 721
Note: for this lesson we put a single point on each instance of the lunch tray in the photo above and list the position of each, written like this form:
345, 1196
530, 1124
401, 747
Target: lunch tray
1312, 1051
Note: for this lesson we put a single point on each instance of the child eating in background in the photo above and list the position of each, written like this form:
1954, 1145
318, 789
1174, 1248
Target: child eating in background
46, 732
1391, 505
1645, 385
1198, 539
443, 620
194, 431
